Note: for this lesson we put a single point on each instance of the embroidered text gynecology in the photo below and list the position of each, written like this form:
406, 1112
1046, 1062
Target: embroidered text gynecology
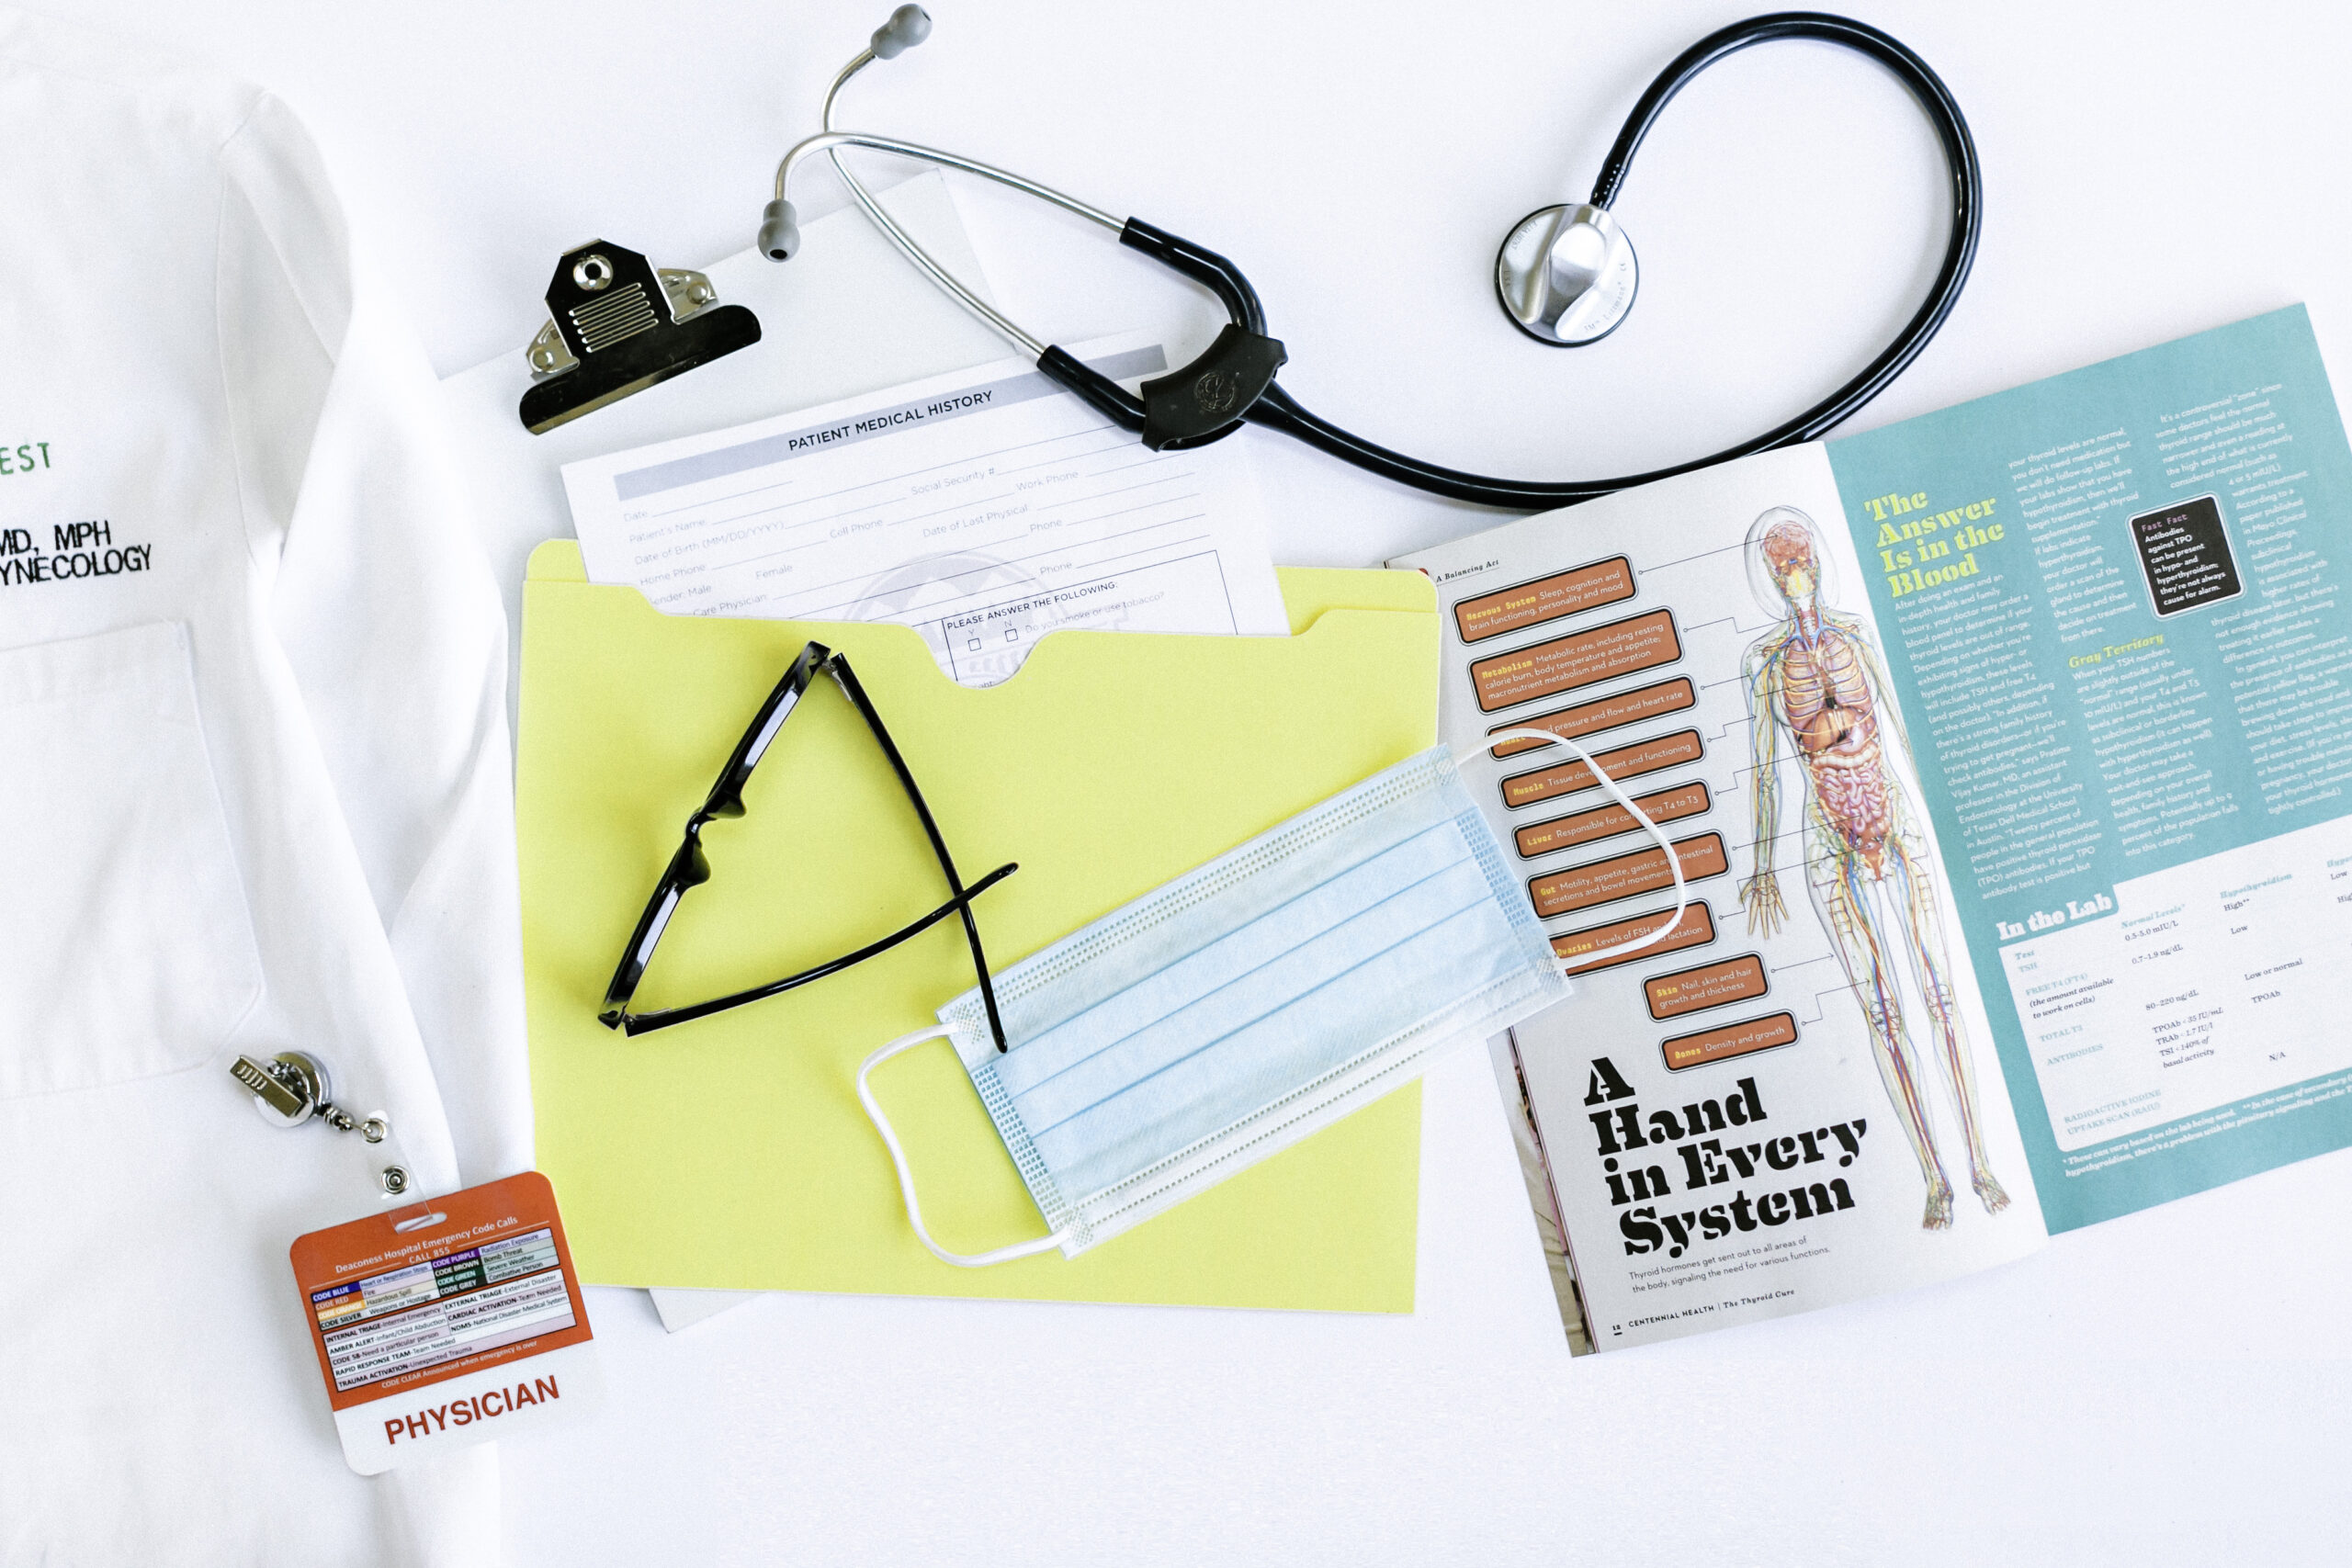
74, 550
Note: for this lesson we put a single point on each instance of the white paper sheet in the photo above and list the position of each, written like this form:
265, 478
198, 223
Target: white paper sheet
684, 1306
985, 508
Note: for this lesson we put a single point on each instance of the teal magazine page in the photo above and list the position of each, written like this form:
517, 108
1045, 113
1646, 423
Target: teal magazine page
2111, 605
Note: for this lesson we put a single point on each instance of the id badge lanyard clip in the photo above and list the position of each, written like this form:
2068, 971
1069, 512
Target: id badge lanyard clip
294, 1086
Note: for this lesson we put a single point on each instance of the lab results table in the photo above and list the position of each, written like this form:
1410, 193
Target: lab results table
2192, 989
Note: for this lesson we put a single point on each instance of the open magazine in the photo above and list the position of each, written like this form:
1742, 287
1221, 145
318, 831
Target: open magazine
2004, 753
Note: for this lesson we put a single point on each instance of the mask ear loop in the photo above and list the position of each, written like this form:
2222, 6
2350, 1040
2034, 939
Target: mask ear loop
1666, 845
907, 1178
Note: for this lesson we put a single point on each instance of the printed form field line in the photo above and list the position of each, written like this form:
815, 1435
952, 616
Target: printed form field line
895, 478
984, 501
953, 576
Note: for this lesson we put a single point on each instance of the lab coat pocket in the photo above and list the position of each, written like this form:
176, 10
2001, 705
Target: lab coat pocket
126, 947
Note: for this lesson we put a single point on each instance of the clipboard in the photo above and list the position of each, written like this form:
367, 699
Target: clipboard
731, 1153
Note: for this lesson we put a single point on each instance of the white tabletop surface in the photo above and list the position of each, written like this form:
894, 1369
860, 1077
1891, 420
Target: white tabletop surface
2170, 1387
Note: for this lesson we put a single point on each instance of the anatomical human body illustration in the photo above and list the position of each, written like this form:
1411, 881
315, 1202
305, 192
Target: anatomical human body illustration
1815, 681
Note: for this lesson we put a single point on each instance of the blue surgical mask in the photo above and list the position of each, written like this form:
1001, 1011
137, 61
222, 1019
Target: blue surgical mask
1227, 1014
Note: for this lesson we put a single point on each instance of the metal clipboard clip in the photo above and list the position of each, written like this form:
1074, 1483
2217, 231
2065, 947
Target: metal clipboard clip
616, 325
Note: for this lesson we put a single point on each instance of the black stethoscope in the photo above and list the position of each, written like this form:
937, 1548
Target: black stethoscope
1565, 275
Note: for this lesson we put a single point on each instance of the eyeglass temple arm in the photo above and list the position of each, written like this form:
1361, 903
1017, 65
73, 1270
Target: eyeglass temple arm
837, 666
635, 1023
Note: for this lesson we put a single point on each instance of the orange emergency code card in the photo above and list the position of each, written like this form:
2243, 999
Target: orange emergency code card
449, 1321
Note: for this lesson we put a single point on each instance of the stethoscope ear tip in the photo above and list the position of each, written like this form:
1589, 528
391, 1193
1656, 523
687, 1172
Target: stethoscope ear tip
908, 26
780, 228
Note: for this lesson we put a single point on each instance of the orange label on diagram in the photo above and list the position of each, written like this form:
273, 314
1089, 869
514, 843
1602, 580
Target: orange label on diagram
1708, 986
1625, 876
1589, 951
1625, 762
1545, 599
1731, 1040
1607, 821
1606, 713
1547, 668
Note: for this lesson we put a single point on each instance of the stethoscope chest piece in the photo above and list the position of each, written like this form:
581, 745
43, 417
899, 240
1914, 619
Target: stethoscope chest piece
1566, 275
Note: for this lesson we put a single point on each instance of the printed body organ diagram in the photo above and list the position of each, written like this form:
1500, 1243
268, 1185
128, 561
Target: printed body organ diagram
1813, 680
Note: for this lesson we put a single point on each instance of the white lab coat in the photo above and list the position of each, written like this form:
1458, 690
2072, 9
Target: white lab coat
254, 796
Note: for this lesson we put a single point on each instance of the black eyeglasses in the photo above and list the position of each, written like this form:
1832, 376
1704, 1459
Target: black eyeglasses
690, 867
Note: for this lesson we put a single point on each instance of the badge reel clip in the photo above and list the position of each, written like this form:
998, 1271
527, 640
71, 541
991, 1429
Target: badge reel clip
293, 1086
617, 325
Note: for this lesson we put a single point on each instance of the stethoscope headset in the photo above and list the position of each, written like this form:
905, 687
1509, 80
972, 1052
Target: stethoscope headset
1565, 275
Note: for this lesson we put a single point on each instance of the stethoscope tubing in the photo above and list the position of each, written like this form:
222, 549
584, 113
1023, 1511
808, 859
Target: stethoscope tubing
1276, 408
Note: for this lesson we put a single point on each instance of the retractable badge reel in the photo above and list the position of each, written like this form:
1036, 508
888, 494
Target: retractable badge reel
438, 1322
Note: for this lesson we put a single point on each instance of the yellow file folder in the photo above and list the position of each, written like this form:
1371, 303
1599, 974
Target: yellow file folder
730, 1152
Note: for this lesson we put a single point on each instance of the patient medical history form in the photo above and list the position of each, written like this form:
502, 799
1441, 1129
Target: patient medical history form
984, 508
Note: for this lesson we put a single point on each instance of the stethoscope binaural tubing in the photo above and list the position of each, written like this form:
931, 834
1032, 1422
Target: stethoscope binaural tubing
1275, 409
